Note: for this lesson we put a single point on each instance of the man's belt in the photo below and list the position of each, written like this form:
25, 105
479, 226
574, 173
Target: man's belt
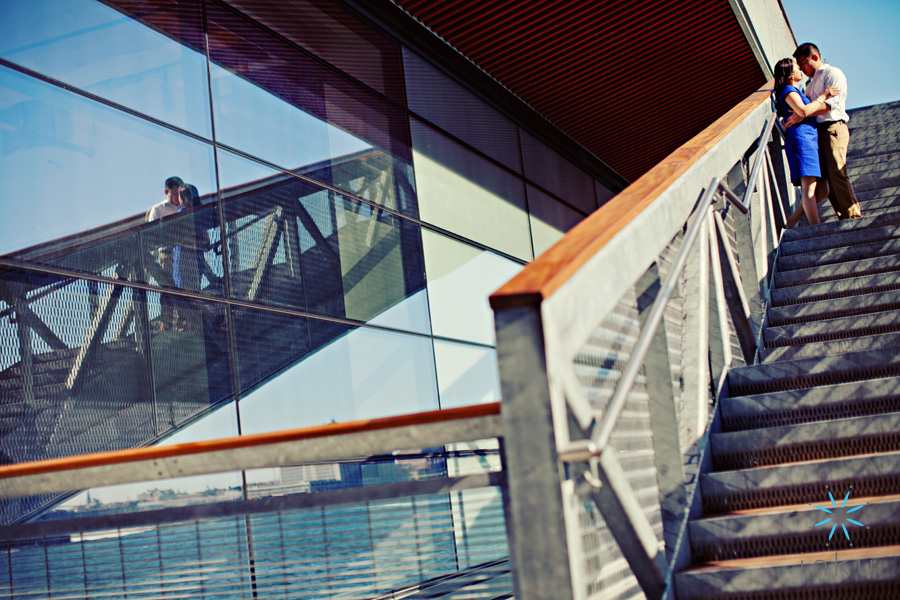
824, 124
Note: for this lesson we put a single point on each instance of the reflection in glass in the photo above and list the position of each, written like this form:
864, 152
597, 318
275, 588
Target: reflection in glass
466, 374
460, 280
158, 66
362, 374
70, 165
75, 368
557, 175
464, 193
298, 245
369, 471
604, 194
436, 98
550, 219
316, 24
480, 526
181, 491
191, 362
276, 103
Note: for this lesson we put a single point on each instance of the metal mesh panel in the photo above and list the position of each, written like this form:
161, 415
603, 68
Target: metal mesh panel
388, 548
673, 321
301, 246
731, 232
599, 366
177, 251
84, 368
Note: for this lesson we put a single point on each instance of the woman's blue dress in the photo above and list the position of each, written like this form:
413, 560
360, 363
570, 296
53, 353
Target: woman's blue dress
802, 141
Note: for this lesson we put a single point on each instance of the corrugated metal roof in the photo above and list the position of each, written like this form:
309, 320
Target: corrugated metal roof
630, 81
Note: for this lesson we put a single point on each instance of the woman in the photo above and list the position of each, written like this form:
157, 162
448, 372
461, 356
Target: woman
801, 140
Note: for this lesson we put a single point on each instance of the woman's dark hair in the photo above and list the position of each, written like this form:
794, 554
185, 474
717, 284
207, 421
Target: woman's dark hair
189, 195
783, 70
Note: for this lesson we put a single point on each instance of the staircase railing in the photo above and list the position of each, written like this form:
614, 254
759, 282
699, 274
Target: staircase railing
610, 358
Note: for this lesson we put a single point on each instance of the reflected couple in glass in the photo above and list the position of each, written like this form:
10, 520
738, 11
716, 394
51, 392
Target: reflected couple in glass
181, 258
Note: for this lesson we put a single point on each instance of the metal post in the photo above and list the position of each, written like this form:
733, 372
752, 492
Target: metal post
536, 500
628, 524
734, 294
26, 354
696, 328
719, 287
775, 185
663, 417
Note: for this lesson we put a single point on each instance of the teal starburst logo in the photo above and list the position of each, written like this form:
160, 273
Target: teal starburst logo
839, 516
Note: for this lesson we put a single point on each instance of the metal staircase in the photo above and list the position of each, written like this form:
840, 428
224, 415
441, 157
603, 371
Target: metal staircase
816, 424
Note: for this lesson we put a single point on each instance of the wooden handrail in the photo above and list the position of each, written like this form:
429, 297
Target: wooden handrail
538, 280
134, 455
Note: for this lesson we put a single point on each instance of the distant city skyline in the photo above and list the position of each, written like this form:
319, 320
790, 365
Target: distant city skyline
860, 38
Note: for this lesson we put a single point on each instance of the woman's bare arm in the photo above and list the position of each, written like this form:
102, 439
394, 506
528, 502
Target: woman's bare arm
801, 111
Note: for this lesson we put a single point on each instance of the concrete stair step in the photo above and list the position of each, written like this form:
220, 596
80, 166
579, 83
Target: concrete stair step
792, 529
839, 228
800, 482
876, 180
844, 400
888, 247
821, 349
813, 372
847, 235
862, 144
840, 288
779, 316
837, 272
867, 196
868, 164
806, 441
856, 574
826, 215
840, 328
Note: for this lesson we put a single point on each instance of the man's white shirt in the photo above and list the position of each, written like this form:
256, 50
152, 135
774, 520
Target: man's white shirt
163, 209
827, 76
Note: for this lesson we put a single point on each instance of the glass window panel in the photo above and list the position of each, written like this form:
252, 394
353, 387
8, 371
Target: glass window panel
463, 193
455, 110
466, 374
181, 491
557, 175
91, 346
191, 360
362, 374
70, 165
480, 528
276, 103
327, 31
604, 194
550, 219
460, 280
299, 245
158, 66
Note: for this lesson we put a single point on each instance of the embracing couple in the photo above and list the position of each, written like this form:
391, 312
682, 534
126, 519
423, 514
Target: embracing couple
816, 133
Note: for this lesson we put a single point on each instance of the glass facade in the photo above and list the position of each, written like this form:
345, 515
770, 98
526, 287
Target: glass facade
237, 217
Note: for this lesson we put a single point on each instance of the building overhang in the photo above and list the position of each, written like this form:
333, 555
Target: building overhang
627, 81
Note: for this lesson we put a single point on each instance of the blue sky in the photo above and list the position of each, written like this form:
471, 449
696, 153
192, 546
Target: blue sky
862, 38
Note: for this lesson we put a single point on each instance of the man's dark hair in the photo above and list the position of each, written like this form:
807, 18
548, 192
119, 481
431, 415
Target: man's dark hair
173, 182
806, 50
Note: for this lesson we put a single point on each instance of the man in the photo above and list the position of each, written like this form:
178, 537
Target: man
834, 136
169, 206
